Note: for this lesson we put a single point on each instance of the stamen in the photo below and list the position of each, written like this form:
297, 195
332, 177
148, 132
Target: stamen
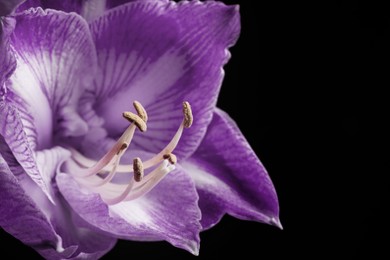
138, 169
149, 183
172, 159
118, 147
187, 122
141, 183
188, 118
112, 173
133, 118
109, 177
134, 190
140, 111
123, 147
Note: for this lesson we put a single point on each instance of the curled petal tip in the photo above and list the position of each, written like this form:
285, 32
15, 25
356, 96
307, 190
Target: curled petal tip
276, 222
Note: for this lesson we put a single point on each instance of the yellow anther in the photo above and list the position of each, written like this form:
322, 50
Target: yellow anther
138, 168
188, 118
141, 111
133, 118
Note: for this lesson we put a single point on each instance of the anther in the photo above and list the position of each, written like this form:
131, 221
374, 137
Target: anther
188, 118
133, 118
172, 159
138, 169
140, 111
113, 193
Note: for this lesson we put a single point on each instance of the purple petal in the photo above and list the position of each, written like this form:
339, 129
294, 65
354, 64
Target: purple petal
93, 9
20, 217
75, 234
64, 5
71, 237
29, 4
169, 212
46, 82
48, 161
114, 3
7, 59
56, 60
230, 178
167, 53
12, 130
89, 9
8, 6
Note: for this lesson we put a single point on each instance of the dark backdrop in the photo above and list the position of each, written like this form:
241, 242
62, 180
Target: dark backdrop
306, 86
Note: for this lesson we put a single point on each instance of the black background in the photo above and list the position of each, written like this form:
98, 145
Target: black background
306, 84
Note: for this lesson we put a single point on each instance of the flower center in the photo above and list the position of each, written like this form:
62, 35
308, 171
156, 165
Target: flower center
97, 176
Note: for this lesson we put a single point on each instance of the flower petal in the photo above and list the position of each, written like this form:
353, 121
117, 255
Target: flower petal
20, 217
72, 237
167, 53
56, 60
12, 130
27, 4
8, 6
52, 50
49, 160
230, 178
89, 9
66, 6
7, 60
169, 212
73, 232
114, 3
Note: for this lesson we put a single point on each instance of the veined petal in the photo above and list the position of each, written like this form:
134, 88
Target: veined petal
61, 5
29, 4
76, 233
48, 162
230, 178
20, 217
7, 59
8, 6
56, 60
114, 3
69, 238
73, 232
93, 9
12, 130
52, 50
167, 53
168, 212
89, 9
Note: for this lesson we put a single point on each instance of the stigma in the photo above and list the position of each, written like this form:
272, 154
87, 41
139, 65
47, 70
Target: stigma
98, 176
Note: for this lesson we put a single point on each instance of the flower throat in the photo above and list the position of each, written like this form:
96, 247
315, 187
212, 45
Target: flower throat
97, 176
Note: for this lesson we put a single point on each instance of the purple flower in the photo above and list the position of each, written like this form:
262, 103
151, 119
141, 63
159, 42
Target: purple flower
80, 167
